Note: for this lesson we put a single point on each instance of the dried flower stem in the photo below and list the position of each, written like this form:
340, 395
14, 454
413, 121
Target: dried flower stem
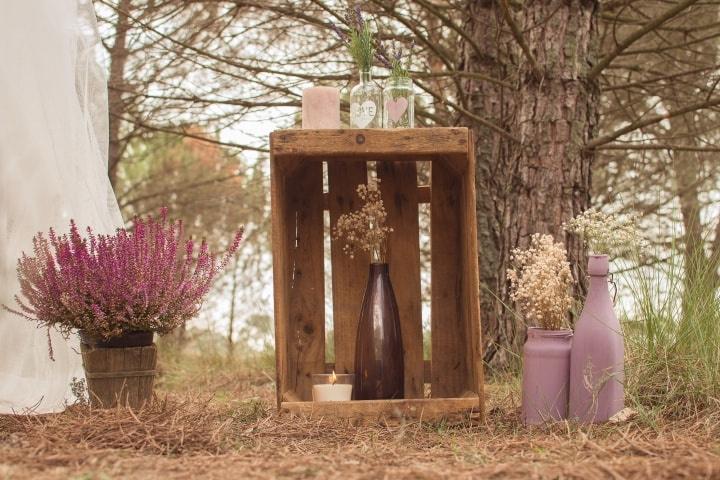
365, 229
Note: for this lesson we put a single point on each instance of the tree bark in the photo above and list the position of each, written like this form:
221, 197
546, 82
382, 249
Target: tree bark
116, 84
541, 179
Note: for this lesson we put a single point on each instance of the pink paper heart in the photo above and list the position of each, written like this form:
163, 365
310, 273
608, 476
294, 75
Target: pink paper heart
396, 108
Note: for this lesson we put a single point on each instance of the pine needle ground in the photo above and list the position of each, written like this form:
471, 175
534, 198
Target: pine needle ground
193, 435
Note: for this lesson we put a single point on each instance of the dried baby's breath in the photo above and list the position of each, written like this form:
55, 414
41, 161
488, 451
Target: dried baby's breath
540, 282
607, 234
365, 228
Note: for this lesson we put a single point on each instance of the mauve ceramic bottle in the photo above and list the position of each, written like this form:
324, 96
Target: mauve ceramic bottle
379, 366
546, 374
597, 359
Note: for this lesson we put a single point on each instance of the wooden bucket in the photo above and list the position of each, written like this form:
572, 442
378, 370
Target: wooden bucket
119, 376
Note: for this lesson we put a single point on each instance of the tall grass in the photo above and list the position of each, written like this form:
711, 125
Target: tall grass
202, 364
672, 335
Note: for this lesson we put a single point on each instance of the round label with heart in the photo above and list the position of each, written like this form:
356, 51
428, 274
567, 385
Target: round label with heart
363, 113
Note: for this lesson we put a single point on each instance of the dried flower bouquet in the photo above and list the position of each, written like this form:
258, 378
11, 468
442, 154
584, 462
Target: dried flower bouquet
146, 279
365, 228
540, 282
607, 234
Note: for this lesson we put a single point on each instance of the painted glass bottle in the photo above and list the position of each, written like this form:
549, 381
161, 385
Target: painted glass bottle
597, 358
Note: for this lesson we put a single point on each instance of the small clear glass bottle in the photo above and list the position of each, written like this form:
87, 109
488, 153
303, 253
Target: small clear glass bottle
366, 103
399, 103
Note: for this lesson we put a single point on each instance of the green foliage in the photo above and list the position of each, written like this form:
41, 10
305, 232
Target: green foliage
400, 68
362, 45
673, 336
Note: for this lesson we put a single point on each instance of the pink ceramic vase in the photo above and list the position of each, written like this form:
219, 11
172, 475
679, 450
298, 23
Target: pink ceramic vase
546, 373
597, 360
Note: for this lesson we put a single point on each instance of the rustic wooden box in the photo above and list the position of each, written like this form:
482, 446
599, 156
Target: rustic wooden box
455, 371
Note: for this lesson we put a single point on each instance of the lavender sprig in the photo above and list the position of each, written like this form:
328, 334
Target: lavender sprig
359, 38
396, 60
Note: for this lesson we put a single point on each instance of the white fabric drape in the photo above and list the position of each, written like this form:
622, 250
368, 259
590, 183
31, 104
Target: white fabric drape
53, 167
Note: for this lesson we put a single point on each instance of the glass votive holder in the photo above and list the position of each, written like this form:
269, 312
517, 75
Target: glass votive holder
324, 390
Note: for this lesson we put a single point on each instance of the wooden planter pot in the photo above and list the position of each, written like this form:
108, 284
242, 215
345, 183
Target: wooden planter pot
119, 375
455, 371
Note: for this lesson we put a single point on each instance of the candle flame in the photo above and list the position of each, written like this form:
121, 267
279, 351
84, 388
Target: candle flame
333, 378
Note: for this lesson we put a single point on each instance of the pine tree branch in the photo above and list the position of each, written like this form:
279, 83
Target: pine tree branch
637, 35
650, 121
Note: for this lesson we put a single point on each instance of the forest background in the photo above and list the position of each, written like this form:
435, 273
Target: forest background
612, 104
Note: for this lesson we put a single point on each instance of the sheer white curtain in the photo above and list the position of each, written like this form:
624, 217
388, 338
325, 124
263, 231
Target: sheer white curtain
53, 167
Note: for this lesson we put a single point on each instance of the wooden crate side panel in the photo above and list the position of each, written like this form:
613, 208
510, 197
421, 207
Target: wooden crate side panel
471, 280
305, 263
450, 367
349, 275
281, 286
400, 193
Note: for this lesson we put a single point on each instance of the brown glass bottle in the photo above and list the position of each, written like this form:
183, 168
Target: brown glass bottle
379, 369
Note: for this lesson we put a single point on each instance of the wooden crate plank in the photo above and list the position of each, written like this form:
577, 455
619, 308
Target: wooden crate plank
306, 325
471, 280
448, 356
349, 275
423, 196
368, 144
330, 367
281, 286
400, 193
418, 408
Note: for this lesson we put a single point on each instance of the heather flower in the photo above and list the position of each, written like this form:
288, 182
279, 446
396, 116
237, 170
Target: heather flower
145, 278
365, 228
607, 234
540, 281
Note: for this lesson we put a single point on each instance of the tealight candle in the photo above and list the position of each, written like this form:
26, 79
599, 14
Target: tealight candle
332, 388
321, 108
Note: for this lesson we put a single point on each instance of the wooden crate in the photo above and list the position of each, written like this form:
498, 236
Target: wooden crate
455, 371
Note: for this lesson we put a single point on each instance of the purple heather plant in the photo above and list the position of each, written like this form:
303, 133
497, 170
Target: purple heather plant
145, 278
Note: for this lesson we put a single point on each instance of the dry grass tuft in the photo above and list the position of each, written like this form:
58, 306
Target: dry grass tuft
167, 426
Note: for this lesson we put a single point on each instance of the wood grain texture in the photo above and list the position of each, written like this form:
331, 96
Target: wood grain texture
448, 333
400, 195
471, 281
425, 408
119, 376
330, 367
306, 316
349, 275
423, 196
281, 287
370, 144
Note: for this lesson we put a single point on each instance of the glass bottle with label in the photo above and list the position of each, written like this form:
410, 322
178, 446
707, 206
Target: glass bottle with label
366, 103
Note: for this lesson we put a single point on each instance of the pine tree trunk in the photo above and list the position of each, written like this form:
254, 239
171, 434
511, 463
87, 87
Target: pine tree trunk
116, 84
540, 178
